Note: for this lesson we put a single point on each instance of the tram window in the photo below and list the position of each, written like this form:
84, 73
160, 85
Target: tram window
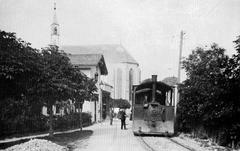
168, 98
160, 98
142, 98
139, 99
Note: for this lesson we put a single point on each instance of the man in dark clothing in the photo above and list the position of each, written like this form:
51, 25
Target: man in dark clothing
123, 118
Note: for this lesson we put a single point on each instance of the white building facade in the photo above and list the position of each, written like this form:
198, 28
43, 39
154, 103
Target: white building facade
94, 67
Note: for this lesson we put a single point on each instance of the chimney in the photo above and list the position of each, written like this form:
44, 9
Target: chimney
154, 80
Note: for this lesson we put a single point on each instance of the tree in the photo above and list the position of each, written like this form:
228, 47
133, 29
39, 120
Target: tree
30, 79
233, 84
54, 84
120, 103
202, 93
20, 65
19, 70
83, 89
210, 95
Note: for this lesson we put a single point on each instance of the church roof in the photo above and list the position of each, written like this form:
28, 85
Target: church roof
112, 53
89, 60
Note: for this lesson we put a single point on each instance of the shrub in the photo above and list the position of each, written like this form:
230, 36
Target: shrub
23, 125
72, 120
86, 119
30, 124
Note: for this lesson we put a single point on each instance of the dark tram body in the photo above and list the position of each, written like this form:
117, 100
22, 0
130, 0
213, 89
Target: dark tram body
153, 108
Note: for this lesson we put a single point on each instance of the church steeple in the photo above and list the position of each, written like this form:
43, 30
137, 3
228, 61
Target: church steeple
55, 28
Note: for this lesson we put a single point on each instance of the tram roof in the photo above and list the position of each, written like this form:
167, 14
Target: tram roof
159, 85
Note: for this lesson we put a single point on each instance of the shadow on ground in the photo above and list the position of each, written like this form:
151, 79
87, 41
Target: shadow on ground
69, 140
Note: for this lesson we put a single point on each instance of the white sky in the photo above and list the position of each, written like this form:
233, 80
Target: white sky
148, 29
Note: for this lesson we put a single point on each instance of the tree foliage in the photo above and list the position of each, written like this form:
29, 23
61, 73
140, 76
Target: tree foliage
19, 70
19, 66
120, 103
209, 98
83, 87
30, 79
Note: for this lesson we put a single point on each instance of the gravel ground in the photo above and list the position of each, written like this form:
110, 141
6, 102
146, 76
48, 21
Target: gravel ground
163, 144
200, 144
70, 140
106, 137
37, 145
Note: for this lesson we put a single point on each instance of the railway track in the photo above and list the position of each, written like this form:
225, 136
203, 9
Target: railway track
184, 146
145, 142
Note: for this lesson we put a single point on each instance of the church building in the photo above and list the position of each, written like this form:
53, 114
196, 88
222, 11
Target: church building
123, 69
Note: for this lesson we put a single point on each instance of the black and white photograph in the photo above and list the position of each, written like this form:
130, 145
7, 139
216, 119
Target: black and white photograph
119, 75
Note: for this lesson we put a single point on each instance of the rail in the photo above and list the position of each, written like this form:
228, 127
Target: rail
150, 148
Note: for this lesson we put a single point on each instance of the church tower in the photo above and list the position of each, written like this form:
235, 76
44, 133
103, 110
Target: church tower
55, 29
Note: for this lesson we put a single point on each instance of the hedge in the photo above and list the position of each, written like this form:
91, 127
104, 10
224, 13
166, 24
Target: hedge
21, 126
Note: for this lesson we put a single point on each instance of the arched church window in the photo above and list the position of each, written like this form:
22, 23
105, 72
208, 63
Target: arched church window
119, 83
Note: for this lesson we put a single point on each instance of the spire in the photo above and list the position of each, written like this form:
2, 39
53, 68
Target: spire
55, 14
54, 5
55, 28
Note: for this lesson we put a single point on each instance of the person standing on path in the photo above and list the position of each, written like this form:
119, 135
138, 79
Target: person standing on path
111, 116
123, 119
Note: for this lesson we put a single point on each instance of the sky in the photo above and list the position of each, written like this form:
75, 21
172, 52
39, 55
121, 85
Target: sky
148, 29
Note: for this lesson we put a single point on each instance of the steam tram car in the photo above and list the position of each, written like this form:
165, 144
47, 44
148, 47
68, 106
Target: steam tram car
153, 108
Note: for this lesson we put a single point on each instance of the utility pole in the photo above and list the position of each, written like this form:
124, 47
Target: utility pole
180, 56
176, 92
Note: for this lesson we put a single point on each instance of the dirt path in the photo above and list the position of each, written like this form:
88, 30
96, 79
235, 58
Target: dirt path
108, 137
